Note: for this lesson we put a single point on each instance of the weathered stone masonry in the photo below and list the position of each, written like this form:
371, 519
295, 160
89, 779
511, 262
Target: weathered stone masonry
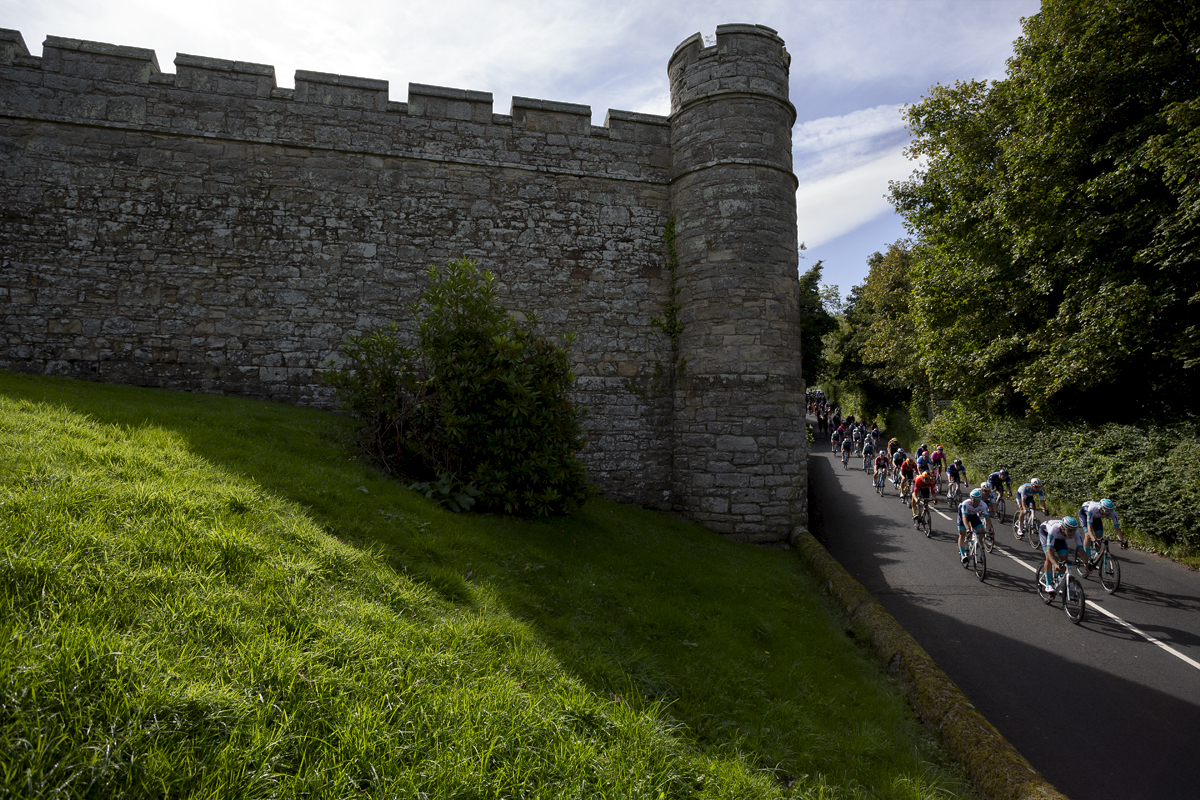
207, 230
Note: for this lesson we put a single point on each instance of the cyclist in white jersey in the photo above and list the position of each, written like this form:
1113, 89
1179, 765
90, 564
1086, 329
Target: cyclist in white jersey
971, 511
1055, 537
1027, 496
1092, 515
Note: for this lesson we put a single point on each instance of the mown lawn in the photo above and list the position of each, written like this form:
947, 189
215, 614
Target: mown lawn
210, 597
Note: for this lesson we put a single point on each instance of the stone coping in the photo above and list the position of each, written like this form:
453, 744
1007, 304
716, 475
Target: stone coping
998, 771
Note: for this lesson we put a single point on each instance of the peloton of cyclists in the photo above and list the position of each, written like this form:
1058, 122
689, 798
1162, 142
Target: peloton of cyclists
1027, 496
1053, 535
972, 511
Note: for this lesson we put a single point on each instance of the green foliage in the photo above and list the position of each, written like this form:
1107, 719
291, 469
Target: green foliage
870, 354
480, 405
1138, 468
816, 322
209, 597
1056, 216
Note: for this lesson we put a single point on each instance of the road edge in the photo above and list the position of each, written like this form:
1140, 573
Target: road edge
996, 768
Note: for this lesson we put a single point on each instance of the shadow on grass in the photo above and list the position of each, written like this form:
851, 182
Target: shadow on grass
640, 607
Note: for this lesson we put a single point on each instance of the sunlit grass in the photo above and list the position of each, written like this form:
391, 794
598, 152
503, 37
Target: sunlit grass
205, 597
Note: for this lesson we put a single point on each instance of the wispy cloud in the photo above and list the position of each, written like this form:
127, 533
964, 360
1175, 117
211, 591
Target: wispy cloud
838, 203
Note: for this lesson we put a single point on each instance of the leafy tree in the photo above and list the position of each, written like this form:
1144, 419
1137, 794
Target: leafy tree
872, 350
479, 410
1056, 215
815, 323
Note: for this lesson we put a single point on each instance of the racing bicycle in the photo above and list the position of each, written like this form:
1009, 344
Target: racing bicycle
1105, 563
1066, 584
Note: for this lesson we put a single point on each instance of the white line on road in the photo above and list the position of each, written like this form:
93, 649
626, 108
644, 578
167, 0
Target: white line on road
1103, 610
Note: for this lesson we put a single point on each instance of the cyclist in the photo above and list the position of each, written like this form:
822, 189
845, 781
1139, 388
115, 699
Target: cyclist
908, 471
897, 459
971, 511
893, 446
956, 474
858, 437
868, 452
923, 487
1027, 495
847, 448
1053, 536
881, 466
922, 449
835, 438
938, 457
923, 462
1000, 482
1091, 516
989, 496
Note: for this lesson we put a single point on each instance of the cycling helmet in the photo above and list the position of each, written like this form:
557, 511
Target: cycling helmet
958, 463
925, 474
1107, 506
1036, 483
976, 494
1070, 522
985, 485
938, 448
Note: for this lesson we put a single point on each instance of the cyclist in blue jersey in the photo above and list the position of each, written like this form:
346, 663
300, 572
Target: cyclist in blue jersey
1027, 496
972, 511
956, 474
1000, 482
1055, 536
924, 464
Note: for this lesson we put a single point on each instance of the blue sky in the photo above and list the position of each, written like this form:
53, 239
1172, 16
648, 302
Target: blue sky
855, 63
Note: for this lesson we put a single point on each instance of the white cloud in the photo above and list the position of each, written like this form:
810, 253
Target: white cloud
857, 126
836, 204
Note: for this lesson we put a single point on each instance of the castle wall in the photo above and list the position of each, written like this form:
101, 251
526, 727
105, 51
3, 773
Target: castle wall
207, 230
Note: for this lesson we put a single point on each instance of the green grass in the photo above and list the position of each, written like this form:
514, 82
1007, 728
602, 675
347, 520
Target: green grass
209, 597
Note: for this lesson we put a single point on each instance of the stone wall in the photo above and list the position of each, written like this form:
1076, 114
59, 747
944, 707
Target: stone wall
207, 230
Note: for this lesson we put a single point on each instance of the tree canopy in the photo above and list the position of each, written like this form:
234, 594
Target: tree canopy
1055, 216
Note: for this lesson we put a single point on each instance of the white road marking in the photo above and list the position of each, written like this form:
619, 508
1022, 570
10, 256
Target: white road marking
1103, 610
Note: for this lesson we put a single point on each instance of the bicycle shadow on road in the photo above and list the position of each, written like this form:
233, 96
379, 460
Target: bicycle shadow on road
1029, 693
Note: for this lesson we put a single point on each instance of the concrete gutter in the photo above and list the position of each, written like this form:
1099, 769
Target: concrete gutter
998, 771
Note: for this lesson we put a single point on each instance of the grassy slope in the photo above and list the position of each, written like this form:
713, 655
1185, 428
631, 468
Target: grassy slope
202, 596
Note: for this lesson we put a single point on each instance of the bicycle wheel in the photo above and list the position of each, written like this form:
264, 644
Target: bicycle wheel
1110, 573
1031, 534
978, 560
1073, 600
1018, 529
1043, 591
928, 524
989, 540
1000, 507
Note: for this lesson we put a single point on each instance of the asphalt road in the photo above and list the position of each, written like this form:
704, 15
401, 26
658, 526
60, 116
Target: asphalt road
1098, 708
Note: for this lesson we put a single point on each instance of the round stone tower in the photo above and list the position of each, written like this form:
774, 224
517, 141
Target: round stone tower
739, 463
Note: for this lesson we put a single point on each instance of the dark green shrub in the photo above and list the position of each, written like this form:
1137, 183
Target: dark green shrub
479, 406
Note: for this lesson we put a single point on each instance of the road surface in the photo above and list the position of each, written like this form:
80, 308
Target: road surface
1107, 708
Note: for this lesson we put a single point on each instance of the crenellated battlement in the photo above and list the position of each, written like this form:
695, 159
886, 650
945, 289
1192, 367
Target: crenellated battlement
105, 70
208, 230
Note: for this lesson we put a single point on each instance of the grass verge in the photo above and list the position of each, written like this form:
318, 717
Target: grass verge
203, 596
